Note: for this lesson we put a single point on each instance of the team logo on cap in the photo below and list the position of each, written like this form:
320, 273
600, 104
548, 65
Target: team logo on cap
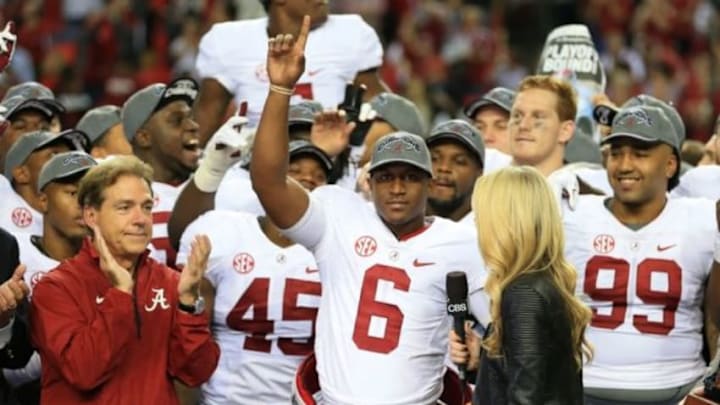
22, 217
78, 160
636, 118
243, 263
398, 145
182, 87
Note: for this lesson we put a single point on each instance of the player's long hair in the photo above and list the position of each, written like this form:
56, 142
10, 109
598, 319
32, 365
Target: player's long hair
520, 231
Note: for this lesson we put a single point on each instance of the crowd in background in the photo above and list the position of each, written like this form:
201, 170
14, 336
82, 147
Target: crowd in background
439, 54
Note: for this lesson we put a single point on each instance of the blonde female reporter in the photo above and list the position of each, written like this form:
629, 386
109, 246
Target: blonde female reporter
532, 352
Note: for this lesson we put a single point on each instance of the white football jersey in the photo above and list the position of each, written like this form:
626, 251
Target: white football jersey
592, 174
16, 215
235, 193
468, 220
266, 300
36, 262
164, 196
382, 329
701, 181
495, 160
234, 54
646, 290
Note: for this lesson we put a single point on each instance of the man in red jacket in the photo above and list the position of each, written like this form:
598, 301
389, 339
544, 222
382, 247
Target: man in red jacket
113, 326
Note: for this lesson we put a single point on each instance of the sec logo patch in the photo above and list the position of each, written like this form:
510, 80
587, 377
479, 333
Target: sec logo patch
365, 246
243, 263
604, 244
22, 217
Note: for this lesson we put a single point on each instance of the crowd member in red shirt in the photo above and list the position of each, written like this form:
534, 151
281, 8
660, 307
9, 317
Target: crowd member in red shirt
112, 325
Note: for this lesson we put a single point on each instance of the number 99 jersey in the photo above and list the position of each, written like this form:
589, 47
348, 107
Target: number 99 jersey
645, 288
266, 300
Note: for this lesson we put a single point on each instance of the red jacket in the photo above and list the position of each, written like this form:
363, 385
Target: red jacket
99, 345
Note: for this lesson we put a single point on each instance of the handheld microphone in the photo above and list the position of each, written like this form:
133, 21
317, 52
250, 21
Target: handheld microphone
457, 307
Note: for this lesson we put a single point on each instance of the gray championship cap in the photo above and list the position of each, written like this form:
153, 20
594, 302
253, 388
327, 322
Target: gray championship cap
30, 142
582, 147
138, 109
645, 123
462, 132
401, 113
302, 147
303, 113
401, 147
64, 165
672, 114
97, 121
499, 96
31, 95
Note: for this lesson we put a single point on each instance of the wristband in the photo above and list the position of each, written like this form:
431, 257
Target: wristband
285, 91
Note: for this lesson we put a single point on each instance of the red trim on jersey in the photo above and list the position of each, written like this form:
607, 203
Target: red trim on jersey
416, 232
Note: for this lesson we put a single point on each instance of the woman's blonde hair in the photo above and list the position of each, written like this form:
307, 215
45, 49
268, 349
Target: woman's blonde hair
520, 231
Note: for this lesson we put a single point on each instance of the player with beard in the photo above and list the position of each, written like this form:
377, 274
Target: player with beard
158, 119
458, 153
231, 60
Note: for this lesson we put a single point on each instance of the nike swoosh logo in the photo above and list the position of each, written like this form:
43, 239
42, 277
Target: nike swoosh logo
418, 263
308, 270
313, 72
99, 300
664, 248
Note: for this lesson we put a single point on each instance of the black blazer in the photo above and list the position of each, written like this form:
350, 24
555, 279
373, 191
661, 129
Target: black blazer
538, 365
18, 351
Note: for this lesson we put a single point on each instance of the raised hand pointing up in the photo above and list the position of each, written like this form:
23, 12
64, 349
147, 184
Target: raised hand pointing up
286, 58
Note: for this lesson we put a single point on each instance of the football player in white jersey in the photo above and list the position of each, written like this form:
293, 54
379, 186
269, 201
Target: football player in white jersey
28, 107
643, 261
21, 205
263, 291
458, 153
61, 237
231, 60
382, 328
158, 119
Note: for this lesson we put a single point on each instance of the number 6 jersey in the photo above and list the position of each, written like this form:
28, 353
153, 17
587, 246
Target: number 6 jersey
382, 328
645, 288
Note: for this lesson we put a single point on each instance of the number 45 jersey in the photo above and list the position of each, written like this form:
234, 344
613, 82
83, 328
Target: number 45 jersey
266, 300
382, 328
645, 288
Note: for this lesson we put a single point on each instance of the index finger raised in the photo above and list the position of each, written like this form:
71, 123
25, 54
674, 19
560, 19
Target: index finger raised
304, 32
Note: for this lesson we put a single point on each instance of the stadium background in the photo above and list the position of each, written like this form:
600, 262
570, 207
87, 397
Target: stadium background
437, 53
